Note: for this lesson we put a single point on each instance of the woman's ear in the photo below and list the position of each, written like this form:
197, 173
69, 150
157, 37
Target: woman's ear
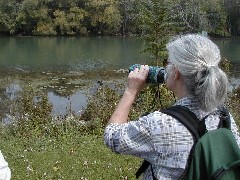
176, 73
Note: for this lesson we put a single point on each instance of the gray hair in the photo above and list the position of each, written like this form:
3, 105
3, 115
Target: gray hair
197, 59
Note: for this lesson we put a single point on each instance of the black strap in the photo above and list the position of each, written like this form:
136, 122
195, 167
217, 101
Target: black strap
142, 168
225, 121
196, 127
188, 119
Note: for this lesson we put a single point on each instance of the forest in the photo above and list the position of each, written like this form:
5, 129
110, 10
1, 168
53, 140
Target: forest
115, 17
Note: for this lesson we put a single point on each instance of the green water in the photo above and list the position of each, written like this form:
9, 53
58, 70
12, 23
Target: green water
230, 48
69, 53
84, 53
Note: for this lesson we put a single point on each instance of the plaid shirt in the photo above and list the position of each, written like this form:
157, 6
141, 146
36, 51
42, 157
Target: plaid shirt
160, 139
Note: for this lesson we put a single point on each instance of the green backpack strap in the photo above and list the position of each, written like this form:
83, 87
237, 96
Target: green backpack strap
221, 171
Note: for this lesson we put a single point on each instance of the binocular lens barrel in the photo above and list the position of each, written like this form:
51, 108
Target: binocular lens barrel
155, 75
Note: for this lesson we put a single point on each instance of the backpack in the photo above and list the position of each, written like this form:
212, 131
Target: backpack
214, 155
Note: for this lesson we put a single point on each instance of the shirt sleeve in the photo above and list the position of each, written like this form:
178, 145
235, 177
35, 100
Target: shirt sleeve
132, 138
5, 173
234, 130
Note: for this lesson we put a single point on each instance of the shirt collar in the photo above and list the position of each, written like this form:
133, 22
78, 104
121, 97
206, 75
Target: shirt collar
192, 104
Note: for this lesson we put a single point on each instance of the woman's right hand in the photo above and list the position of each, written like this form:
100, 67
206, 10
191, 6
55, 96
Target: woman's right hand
137, 79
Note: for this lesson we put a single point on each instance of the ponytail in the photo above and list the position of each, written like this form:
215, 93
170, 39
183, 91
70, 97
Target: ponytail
211, 88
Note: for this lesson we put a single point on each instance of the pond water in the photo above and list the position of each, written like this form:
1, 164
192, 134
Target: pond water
58, 64
65, 53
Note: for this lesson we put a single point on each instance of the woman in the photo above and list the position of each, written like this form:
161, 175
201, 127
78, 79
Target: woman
198, 83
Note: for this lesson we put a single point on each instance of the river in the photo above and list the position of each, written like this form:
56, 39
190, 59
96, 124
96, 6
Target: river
55, 64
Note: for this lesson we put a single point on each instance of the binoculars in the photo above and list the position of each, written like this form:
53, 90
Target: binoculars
156, 74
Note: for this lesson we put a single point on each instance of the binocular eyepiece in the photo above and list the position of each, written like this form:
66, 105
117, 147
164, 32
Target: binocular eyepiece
156, 74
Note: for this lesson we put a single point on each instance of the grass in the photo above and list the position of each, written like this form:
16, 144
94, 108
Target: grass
69, 157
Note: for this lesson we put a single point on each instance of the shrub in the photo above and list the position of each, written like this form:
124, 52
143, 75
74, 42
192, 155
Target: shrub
102, 104
31, 113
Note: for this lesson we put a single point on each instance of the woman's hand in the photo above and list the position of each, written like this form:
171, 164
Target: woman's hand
137, 80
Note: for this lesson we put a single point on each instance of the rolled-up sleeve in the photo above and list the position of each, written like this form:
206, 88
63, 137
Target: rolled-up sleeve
131, 138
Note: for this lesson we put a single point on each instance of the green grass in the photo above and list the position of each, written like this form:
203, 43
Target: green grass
71, 157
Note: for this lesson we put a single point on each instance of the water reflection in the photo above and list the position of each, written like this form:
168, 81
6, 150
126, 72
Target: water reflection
66, 97
234, 83
12, 90
65, 105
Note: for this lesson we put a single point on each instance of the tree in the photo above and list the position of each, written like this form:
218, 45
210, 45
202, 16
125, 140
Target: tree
31, 16
157, 26
200, 15
61, 17
233, 14
61, 22
190, 13
216, 16
129, 11
75, 19
104, 16
8, 14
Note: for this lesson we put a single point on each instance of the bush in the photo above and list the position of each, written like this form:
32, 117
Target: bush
102, 104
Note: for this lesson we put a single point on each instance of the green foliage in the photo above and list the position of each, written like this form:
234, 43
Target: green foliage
31, 114
129, 11
232, 9
60, 21
45, 28
8, 14
29, 14
102, 104
217, 17
70, 23
75, 18
203, 15
104, 16
226, 66
157, 26
83, 17
234, 96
